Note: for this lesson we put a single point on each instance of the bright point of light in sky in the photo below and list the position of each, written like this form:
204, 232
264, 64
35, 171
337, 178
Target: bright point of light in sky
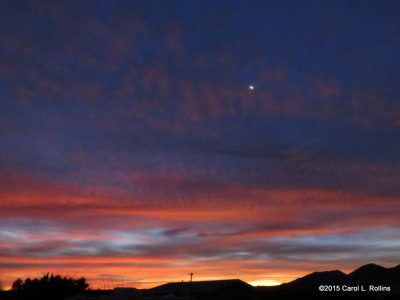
251, 87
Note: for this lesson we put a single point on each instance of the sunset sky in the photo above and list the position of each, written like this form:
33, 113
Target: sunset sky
133, 150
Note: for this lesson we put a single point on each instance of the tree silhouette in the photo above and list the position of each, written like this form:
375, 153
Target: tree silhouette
49, 287
17, 285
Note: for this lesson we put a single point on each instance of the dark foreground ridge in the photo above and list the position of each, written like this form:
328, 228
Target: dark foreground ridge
367, 282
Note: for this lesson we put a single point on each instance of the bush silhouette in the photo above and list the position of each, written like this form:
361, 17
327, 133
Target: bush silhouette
48, 287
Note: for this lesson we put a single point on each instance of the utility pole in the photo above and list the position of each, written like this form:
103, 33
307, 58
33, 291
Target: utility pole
191, 277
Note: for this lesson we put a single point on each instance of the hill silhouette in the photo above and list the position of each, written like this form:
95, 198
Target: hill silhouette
361, 279
374, 274
317, 278
385, 283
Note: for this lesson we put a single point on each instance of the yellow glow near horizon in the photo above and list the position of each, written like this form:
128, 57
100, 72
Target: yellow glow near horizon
265, 282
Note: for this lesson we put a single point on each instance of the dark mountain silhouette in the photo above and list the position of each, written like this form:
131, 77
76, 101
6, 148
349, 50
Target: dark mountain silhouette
317, 278
374, 274
395, 271
367, 274
385, 283
307, 287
